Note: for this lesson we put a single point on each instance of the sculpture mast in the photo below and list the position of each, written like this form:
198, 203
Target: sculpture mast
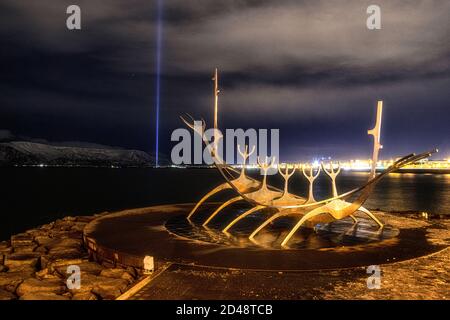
376, 133
216, 97
217, 135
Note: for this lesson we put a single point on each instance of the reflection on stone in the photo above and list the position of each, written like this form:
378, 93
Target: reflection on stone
339, 233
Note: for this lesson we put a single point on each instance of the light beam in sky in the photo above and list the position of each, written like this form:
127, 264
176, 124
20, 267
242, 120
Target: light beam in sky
159, 26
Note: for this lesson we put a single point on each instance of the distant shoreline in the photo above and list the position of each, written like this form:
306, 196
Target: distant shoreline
113, 166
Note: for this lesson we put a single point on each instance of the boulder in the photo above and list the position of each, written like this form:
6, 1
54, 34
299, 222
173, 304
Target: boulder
67, 295
84, 296
58, 234
43, 240
4, 245
118, 274
37, 232
86, 267
108, 264
68, 250
64, 243
22, 239
55, 260
111, 284
66, 253
45, 274
107, 294
6, 295
6, 250
20, 260
41, 250
42, 296
90, 282
52, 277
25, 248
23, 269
63, 225
33, 285
11, 280
53, 264
42, 273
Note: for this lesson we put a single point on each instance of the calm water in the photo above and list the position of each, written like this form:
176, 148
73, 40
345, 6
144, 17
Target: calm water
34, 196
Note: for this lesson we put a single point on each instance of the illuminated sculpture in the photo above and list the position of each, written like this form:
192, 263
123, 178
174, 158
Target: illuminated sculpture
260, 195
311, 177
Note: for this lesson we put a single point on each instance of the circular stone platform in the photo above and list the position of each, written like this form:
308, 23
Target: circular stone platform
126, 237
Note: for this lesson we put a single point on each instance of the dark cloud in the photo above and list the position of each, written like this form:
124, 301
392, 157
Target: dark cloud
6, 135
310, 68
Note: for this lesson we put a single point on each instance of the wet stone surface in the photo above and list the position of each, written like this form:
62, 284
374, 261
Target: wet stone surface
339, 233
133, 234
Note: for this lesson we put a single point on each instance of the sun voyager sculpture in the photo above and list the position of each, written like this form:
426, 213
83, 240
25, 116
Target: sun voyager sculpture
307, 210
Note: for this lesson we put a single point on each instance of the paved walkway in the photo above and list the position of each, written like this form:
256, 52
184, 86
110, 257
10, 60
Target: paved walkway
427, 277
423, 278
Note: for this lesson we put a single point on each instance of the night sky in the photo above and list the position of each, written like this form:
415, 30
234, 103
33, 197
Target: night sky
310, 68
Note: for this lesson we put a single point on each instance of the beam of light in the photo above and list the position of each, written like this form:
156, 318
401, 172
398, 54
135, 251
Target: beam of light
159, 25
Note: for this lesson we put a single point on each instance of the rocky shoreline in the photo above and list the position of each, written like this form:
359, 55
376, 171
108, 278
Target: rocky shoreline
34, 265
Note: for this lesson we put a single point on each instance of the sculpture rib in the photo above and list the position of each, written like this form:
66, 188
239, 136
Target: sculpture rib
242, 216
372, 216
265, 223
217, 189
305, 218
224, 205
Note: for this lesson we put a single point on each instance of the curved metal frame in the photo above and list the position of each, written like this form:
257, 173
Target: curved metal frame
261, 195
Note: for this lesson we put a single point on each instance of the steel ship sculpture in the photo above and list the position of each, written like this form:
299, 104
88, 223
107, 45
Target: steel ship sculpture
262, 196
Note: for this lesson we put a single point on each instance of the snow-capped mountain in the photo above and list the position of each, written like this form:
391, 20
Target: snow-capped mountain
30, 153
